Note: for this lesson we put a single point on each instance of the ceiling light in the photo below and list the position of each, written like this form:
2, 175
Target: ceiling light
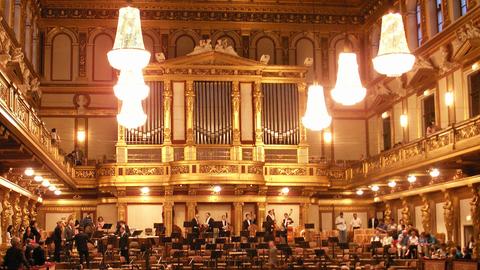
132, 114
411, 178
327, 136
29, 171
285, 190
38, 178
128, 49
145, 190
394, 57
316, 115
52, 188
128, 80
45, 183
348, 90
57, 192
375, 188
217, 189
359, 192
449, 99
403, 120
434, 172
385, 115
392, 184
475, 66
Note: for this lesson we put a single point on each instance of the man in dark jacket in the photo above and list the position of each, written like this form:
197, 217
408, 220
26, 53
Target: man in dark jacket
81, 242
15, 258
123, 244
57, 240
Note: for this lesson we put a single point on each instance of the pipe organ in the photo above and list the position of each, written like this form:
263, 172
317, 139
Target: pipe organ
281, 120
214, 106
152, 131
213, 112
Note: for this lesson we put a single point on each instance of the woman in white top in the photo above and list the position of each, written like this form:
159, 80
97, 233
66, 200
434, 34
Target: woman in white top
412, 245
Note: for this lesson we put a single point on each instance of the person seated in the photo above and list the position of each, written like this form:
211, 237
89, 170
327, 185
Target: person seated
402, 244
38, 254
466, 254
382, 227
376, 241
14, 257
412, 245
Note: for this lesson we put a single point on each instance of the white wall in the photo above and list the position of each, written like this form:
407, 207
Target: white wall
102, 137
109, 213
216, 211
280, 209
313, 216
373, 135
349, 139
180, 214
465, 218
51, 220
327, 221
141, 216
440, 219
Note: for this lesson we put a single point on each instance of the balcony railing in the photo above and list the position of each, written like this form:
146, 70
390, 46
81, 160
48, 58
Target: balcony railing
458, 139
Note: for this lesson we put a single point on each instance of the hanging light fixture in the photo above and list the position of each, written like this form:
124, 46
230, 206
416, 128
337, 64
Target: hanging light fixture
316, 116
131, 114
130, 57
348, 89
394, 57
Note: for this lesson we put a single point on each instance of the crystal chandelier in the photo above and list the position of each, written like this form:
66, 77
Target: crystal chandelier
130, 57
316, 116
394, 57
348, 89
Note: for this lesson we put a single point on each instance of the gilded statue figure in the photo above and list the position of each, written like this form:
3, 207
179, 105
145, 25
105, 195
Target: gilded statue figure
7, 213
33, 211
448, 215
426, 220
388, 213
405, 212
17, 214
25, 214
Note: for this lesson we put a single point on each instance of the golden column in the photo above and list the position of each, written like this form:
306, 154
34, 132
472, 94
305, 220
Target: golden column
423, 25
302, 150
17, 213
387, 214
237, 217
475, 212
259, 151
191, 210
121, 205
236, 150
405, 211
261, 213
121, 145
303, 217
25, 212
190, 150
446, 13
168, 217
33, 210
167, 149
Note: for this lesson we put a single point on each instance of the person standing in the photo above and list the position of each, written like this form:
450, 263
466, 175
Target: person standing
287, 221
57, 240
81, 242
225, 225
123, 244
356, 222
269, 222
247, 222
209, 222
341, 225
195, 226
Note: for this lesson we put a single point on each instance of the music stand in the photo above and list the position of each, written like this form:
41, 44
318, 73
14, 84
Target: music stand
245, 234
299, 240
137, 233
320, 253
177, 246
107, 226
244, 245
309, 226
236, 239
227, 246
215, 255
333, 240
175, 235
177, 255
343, 246
220, 240
187, 224
224, 234
211, 246
260, 234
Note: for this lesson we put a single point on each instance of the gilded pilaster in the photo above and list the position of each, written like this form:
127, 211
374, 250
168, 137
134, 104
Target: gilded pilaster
7, 214
167, 149
121, 146
303, 215
168, 217
448, 216
302, 150
33, 210
190, 151
475, 212
191, 210
259, 153
423, 14
236, 149
261, 213
426, 214
122, 211
446, 13
237, 217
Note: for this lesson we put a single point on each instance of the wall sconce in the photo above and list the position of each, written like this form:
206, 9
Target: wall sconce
449, 98
327, 137
403, 120
81, 136
475, 66
385, 115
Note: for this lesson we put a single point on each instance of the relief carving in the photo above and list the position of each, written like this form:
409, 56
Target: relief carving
388, 212
288, 171
218, 169
405, 212
426, 214
144, 171
7, 214
17, 213
448, 215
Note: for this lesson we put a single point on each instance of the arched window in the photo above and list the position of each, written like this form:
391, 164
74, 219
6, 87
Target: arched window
418, 14
463, 7
438, 7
